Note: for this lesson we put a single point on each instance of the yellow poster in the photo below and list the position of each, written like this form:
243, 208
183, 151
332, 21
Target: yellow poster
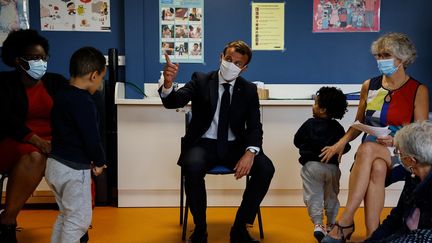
268, 26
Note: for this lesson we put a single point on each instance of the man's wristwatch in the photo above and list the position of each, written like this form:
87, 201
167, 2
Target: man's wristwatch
254, 151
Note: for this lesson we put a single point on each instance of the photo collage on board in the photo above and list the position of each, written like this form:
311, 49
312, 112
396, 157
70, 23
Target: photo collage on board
181, 33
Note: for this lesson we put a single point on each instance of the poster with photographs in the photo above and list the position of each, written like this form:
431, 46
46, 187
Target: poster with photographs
181, 30
13, 16
75, 15
346, 16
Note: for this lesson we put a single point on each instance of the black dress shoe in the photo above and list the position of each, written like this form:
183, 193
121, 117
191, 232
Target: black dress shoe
198, 237
241, 235
8, 233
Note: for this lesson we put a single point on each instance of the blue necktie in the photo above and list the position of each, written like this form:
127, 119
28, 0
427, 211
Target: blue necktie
223, 123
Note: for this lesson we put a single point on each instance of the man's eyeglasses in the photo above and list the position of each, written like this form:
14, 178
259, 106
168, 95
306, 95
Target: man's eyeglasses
383, 55
35, 57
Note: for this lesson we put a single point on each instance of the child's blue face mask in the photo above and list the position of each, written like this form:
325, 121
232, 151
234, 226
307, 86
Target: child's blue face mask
387, 67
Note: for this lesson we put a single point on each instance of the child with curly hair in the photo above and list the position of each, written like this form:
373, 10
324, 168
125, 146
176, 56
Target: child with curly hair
321, 180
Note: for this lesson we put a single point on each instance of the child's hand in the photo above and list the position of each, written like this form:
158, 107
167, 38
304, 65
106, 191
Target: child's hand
98, 170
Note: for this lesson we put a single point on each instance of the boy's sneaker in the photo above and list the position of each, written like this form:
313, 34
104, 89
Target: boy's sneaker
319, 232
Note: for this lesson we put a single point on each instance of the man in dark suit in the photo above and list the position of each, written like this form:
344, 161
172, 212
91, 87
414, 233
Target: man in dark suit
225, 130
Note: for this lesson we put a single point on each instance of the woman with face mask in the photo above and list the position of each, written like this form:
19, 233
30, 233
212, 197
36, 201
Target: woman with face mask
26, 99
391, 99
410, 220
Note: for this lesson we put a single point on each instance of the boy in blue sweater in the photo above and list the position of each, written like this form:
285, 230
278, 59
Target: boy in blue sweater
321, 180
76, 146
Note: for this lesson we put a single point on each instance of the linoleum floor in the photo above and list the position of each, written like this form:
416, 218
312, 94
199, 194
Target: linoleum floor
142, 225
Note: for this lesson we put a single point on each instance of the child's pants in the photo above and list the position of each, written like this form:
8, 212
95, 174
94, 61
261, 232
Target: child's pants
320, 190
72, 192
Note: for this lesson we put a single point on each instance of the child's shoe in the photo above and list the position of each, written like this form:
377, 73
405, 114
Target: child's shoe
319, 232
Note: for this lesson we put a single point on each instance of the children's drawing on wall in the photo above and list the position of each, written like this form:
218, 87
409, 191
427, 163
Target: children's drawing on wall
346, 15
75, 15
13, 15
182, 30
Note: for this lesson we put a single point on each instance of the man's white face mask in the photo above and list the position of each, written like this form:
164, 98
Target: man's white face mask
229, 70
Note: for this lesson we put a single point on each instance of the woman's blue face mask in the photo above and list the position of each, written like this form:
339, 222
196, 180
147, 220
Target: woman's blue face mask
387, 66
37, 68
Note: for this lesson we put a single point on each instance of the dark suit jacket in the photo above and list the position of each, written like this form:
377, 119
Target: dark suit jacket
14, 102
202, 90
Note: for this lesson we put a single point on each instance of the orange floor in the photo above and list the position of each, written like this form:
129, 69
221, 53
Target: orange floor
133, 225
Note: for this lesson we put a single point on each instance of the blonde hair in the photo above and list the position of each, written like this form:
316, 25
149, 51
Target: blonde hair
397, 44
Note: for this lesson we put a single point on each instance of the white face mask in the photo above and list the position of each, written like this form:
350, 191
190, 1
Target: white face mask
229, 70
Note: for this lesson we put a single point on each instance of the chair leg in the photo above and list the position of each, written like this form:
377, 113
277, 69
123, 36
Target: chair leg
260, 224
185, 219
181, 197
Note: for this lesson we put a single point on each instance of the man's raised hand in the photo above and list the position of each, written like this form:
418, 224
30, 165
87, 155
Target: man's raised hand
170, 72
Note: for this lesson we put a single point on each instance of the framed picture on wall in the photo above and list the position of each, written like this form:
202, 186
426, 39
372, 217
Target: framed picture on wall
75, 15
346, 16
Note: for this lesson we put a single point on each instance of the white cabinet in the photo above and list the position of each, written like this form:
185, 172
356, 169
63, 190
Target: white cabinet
149, 146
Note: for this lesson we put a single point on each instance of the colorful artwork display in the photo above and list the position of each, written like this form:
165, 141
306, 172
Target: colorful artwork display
13, 15
346, 15
75, 15
181, 30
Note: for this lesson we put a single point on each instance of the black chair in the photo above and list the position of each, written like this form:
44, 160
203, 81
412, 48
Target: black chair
217, 170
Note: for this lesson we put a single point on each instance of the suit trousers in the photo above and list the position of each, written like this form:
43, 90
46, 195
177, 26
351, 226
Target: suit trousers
203, 156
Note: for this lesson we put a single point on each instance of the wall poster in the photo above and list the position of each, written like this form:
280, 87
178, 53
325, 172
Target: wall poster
14, 15
75, 15
181, 30
268, 26
346, 16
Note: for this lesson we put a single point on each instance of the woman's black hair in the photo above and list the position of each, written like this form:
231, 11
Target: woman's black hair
19, 42
333, 100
